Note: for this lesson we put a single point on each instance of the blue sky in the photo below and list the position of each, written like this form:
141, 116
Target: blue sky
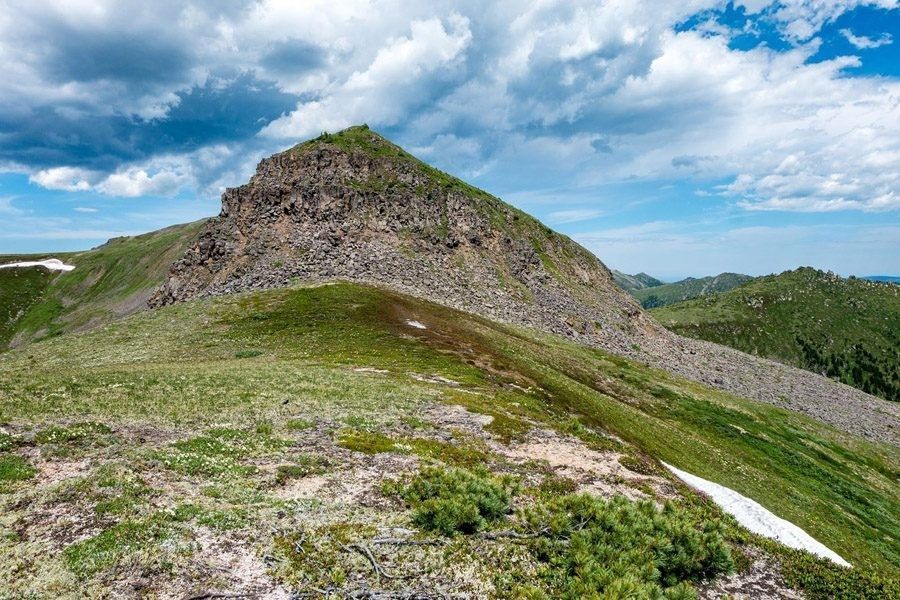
677, 138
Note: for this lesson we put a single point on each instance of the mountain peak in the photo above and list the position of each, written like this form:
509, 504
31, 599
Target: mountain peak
354, 206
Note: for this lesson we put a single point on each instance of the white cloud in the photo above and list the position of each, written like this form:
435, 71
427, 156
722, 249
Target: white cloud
134, 182
85, 209
69, 179
548, 94
381, 91
159, 177
864, 43
802, 19
575, 215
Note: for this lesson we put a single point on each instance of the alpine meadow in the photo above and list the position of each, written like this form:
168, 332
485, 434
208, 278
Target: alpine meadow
311, 300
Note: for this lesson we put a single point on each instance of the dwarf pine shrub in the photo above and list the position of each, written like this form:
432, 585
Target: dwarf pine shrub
623, 549
451, 501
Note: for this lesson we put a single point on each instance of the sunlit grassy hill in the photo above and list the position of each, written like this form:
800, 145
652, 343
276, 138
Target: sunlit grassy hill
268, 428
847, 329
110, 281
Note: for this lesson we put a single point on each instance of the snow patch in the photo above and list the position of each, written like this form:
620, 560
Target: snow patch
54, 264
416, 324
757, 518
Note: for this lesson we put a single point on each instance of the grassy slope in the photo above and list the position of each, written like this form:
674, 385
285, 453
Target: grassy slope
108, 281
181, 365
686, 289
20, 289
848, 328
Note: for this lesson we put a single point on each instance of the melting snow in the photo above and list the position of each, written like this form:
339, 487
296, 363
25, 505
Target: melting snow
416, 324
54, 264
757, 518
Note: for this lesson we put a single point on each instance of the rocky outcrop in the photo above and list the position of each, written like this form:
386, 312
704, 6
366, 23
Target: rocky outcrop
353, 206
356, 207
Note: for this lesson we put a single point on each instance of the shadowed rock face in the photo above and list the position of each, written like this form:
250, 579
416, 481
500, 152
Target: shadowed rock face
354, 206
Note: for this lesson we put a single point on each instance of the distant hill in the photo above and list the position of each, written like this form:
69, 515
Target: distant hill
110, 281
883, 278
847, 329
686, 289
632, 283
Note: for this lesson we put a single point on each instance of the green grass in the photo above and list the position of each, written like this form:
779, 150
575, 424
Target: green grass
303, 466
77, 433
219, 452
116, 544
107, 282
20, 289
374, 442
848, 329
176, 366
14, 468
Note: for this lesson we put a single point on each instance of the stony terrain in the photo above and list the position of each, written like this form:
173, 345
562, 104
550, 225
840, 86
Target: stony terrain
353, 206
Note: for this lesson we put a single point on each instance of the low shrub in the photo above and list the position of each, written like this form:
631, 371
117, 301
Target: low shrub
455, 500
821, 579
595, 548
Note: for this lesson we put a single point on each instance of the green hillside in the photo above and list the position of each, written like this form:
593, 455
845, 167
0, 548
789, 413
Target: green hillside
847, 329
110, 281
632, 283
298, 429
20, 289
686, 289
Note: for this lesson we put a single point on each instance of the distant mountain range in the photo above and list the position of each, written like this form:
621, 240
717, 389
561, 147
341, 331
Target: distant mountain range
653, 293
847, 329
632, 283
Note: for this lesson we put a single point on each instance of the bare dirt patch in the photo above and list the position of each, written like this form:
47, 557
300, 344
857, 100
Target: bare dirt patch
597, 472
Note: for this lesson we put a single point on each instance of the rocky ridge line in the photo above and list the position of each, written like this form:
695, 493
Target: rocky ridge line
355, 207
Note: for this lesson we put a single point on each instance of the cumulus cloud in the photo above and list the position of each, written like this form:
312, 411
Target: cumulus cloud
160, 177
128, 99
799, 20
381, 92
69, 179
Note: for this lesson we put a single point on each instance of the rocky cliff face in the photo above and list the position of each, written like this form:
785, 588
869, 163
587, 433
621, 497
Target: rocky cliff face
354, 206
